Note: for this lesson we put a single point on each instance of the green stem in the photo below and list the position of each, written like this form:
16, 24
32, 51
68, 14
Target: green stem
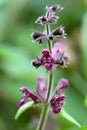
43, 117
49, 43
50, 82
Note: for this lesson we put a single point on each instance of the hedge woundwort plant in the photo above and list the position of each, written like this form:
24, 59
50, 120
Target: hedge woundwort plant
50, 57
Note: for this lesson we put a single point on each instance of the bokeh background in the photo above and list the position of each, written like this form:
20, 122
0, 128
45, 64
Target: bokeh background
17, 51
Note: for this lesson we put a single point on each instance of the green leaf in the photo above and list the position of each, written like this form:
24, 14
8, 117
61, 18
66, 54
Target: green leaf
67, 116
23, 108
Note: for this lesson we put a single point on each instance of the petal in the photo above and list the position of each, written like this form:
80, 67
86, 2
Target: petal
21, 103
56, 110
41, 88
57, 48
36, 62
45, 52
63, 83
26, 94
48, 66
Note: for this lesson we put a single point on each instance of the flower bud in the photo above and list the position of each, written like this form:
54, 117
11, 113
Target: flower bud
41, 20
36, 63
58, 31
39, 36
54, 8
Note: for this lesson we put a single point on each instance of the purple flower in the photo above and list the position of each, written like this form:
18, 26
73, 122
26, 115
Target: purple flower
63, 83
41, 20
60, 58
50, 17
57, 102
58, 98
37, 97
45, 59
54, 8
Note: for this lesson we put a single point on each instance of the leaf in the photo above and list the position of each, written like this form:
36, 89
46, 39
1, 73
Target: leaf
67, 116
23, 108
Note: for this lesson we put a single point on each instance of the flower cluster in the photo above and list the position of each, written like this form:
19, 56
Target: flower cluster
59, 58
49, 58
49, 18
39, 96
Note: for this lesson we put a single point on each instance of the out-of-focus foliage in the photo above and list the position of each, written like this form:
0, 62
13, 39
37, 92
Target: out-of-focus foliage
17, 50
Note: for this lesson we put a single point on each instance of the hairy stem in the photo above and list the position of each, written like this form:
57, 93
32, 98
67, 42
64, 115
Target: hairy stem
50, 82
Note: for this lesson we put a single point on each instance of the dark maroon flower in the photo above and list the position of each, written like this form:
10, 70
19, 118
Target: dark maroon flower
39, 96
57, 102
36, 62
39, 36
45, 59
58, 32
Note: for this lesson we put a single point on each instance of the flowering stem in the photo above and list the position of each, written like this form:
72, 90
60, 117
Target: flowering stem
50, 82
49, 43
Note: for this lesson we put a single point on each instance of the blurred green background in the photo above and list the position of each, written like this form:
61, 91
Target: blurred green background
17, 51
